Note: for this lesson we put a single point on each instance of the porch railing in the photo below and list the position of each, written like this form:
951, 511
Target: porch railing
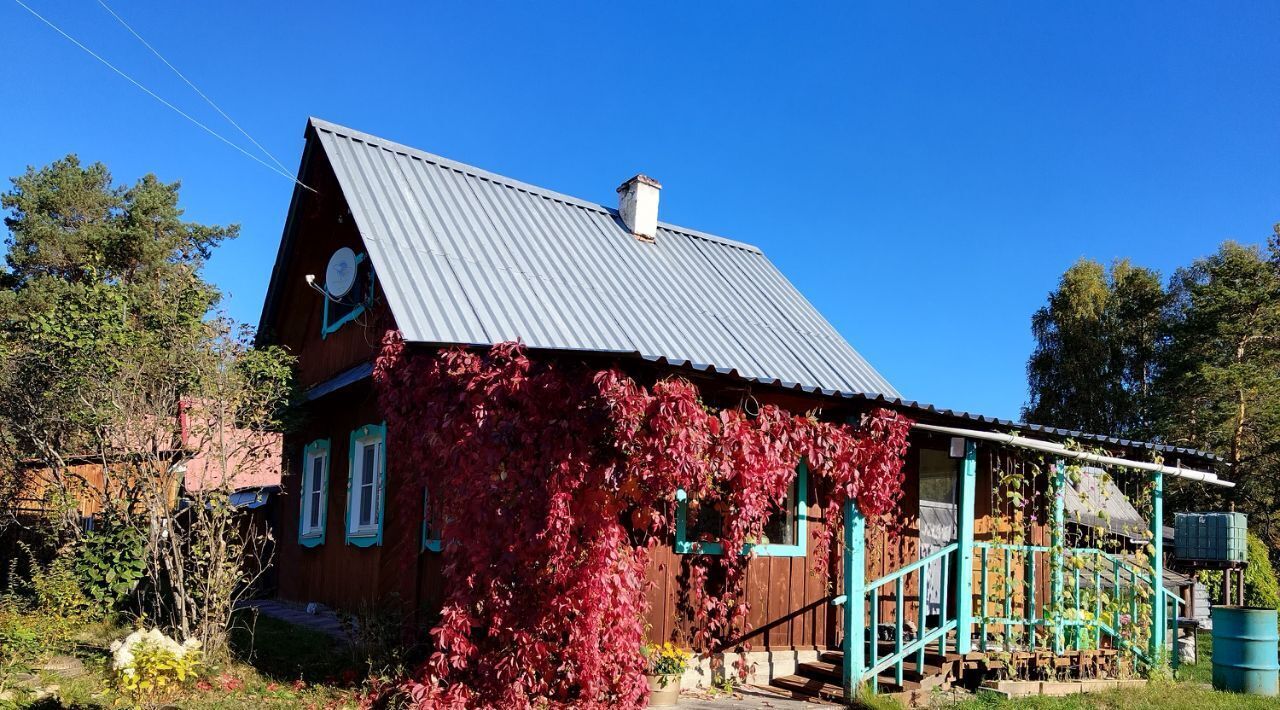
893, 587
1073, 617
1073, 613
1007, 605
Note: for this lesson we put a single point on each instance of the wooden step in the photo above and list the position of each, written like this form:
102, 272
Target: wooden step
823, 678
933, 676
801, 687
821, 670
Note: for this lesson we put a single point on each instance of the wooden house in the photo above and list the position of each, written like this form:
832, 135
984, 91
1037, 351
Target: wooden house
391, 237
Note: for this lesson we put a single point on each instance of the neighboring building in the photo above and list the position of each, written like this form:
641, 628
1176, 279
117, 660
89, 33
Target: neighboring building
396, 238
253, 463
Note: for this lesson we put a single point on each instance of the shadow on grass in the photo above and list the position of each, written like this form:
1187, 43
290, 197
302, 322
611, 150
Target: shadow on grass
285, 653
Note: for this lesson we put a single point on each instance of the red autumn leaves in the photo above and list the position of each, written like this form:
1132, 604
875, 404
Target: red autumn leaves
549, 482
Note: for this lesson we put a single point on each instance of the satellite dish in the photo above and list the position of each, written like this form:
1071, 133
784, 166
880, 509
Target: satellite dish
340, 275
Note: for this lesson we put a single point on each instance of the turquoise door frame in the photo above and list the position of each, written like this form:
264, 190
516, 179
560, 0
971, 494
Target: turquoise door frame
964, 549
1056, 547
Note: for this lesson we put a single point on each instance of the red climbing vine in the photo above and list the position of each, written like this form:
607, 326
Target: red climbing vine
550, 481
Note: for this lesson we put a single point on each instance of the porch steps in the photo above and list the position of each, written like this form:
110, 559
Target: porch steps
822, 678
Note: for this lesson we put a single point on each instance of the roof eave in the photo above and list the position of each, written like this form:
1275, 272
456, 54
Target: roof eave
271, 301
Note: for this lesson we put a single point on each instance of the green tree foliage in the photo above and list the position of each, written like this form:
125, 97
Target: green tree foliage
1196, 364
1219, 385
1096, 342
100, 279
108, 342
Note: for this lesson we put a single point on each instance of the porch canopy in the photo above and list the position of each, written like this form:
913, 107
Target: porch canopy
1061, 450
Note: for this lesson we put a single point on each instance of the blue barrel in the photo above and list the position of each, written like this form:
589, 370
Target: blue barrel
1245, 645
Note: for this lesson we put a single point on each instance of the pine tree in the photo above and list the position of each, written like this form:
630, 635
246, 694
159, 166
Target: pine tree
1219, 388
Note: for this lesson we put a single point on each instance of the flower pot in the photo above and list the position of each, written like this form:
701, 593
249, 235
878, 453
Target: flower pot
664, 690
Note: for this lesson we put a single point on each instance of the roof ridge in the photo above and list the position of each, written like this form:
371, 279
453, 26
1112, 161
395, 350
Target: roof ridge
481, 173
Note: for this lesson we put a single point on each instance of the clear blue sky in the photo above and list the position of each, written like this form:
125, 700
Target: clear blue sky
922, 172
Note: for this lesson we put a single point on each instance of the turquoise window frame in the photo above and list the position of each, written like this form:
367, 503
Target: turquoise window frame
373, 537
685, 546
325, 326
314, 537
428, 542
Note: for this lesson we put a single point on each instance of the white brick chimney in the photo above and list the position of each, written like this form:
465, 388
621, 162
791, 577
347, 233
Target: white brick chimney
638, 206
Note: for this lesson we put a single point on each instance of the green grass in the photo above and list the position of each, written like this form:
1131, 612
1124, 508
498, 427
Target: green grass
1190, 690
1155, 696
1201, 672
273, 665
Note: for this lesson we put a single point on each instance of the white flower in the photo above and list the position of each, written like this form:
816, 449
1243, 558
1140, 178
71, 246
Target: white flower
123, 651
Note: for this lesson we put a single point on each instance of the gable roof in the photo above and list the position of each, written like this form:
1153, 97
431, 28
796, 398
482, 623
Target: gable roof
469, 257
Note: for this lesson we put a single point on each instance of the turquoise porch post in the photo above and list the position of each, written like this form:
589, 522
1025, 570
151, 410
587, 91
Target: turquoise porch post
855, 569
1056, 550
964, 551
1157, 565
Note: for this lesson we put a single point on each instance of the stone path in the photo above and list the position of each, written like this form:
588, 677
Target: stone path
324, 620
748, 698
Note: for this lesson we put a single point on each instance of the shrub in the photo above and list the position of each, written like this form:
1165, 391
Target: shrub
29, 633
21, 639
1260, 586
109, 563
147, 662
58, 592
42, 613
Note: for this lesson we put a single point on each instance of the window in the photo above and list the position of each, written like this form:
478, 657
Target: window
339, 311
430, 536
315, 493
785, 533
937, 476
365, 485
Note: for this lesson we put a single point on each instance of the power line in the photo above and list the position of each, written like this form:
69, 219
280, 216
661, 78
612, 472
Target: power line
194, 88
157, 97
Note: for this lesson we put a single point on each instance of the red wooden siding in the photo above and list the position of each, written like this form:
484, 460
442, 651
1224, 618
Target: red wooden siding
789, 603
335, 573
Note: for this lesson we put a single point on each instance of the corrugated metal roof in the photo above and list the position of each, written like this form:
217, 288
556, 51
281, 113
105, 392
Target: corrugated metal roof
469, 257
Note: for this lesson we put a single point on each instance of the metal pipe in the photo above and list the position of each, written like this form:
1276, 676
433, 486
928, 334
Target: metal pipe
1061, 450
